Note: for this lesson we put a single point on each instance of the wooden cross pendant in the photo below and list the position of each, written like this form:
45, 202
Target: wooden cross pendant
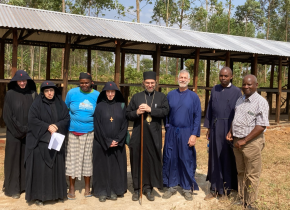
111, 119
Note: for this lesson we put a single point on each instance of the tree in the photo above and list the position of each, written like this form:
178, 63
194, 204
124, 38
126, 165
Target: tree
250, 12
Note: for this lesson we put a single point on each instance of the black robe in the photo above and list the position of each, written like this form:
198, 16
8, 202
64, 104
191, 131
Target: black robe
110, 163
45, 169
152, 141
15, 115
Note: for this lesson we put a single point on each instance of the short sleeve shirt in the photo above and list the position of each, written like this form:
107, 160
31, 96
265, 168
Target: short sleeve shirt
249, 113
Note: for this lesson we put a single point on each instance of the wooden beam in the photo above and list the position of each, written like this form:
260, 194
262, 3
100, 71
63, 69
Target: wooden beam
89, 60
271, 86
104, 42
26, 36
117, 63
66, 65
207, 85
195, 69
7, 33
278, 98
84, 40
21, 34
254, 65
14, 52
132, 44
228, 58
2, 58
123, 56
48, 59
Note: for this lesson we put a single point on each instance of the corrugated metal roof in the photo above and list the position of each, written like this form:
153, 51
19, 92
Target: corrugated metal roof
42, 20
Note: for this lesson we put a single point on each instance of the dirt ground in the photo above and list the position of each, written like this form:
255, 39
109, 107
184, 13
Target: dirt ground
274, 189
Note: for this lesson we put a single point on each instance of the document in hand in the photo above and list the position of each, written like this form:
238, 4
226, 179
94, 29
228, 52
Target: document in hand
56, 141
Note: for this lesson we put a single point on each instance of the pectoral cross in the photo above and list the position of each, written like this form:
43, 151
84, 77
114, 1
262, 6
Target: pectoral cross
111, 119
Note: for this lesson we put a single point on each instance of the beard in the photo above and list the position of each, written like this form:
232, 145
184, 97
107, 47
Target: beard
150, 90
183, 84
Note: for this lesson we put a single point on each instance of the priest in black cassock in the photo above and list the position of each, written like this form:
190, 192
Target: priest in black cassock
18, 99
154, 106
222, 172
109, 152
45, 169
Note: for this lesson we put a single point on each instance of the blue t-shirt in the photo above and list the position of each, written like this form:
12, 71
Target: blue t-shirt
81, 107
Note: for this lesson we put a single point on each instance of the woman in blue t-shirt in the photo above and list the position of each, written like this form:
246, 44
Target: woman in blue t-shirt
81, 102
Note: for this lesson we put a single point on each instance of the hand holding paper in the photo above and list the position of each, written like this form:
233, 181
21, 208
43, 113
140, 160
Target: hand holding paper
56, 141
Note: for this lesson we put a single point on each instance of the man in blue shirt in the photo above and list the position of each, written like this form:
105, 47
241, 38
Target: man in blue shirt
182, 129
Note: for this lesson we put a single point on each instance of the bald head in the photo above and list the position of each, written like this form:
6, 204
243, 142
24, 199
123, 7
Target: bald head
225, 76
250, 85
227, 69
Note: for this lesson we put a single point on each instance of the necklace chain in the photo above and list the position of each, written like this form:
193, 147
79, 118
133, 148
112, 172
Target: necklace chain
152, 99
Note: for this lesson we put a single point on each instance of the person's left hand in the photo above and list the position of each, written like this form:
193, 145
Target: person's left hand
114, 144
145, 107
52, 128
240, 143
191, 141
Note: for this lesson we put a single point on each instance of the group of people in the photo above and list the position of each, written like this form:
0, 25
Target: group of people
95, 125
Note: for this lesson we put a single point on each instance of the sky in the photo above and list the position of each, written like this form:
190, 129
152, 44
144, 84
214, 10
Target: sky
147, 10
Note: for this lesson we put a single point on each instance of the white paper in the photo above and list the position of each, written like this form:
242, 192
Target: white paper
56, 141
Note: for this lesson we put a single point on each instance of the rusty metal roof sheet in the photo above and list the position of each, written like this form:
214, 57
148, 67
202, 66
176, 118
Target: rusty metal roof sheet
50, 21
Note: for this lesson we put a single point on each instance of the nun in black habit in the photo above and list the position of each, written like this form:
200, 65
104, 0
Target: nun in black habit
18, 99
45, 169
109, 152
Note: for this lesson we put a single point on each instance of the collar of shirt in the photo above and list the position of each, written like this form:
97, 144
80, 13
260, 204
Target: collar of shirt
229, 85
252, 98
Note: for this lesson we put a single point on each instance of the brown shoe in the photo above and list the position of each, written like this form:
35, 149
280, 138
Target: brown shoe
209, 196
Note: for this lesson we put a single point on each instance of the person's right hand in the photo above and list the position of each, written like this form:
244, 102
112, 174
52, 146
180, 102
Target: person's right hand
207, 134
114, 144
139, 111
229, 136
52, 129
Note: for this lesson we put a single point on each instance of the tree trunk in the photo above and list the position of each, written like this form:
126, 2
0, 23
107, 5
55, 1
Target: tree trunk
96, 65
229, 16
21, 51
204, 72
138, 21
176, 70
265, 74
62, 56
32, 61
39, 62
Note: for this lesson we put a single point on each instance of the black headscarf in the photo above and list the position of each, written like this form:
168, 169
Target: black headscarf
111, 86
44, 112
21, 75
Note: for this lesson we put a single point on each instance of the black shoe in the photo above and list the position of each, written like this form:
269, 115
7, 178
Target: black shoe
38, 203
250, 207
102, 198
113, 197
149, 196
135, 196
16, 196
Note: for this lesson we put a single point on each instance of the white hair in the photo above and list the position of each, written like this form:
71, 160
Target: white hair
184, 71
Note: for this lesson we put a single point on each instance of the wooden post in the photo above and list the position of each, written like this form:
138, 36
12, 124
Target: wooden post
89, 61
48, 59
181, 63
2, 86
270, 98
207, 85
228, 59
66, 65
14, 53
254, 65
117, 62
123, 72
156, 64
288, 94
278, 98
195, 69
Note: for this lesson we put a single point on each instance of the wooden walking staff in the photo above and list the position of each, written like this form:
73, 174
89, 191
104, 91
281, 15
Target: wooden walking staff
141, 159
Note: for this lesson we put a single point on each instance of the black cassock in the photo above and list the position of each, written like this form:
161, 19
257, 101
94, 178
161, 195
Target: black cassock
152, 141
110, 163
45, 169
15, 114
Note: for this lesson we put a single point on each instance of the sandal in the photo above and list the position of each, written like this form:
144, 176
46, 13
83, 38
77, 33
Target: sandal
88, 194
71, 196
